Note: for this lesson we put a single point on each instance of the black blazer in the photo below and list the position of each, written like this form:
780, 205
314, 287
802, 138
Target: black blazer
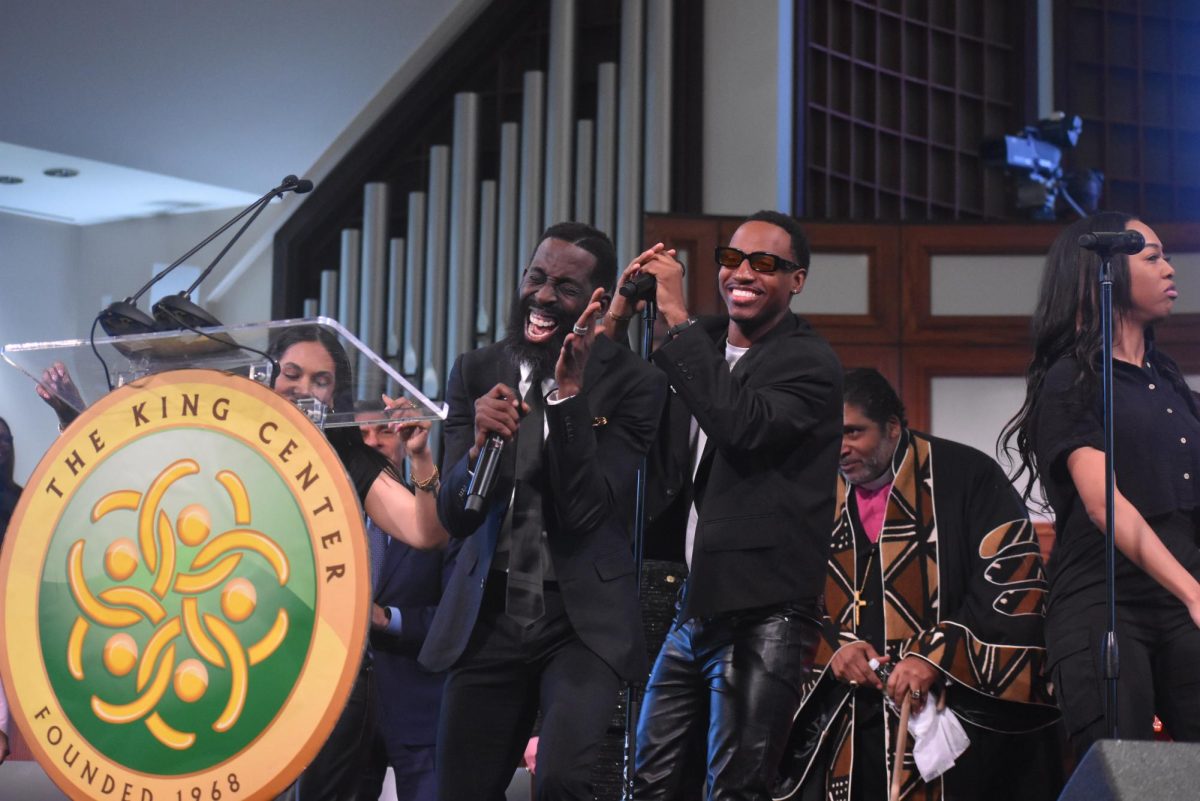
595, 444
766, 481
409, 696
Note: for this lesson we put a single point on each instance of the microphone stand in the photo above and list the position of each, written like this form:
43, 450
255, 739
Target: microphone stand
1109, 655
124, 317
633, 695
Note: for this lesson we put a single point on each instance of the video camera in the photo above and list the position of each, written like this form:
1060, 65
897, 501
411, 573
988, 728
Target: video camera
1034, 158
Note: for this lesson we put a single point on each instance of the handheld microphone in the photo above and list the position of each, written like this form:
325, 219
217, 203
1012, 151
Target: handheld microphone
486, 466
124, 317
641, 287
1108, 242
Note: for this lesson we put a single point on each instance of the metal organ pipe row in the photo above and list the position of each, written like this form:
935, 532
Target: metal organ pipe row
446, 284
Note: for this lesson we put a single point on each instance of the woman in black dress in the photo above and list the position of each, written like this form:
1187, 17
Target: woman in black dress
313, 364
1059, 436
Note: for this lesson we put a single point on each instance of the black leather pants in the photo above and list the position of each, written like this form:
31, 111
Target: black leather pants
737, 677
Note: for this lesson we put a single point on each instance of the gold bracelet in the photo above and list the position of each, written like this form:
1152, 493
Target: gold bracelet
429, 484
618, 318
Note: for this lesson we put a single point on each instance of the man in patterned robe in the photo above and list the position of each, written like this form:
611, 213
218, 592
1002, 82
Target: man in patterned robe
935, 573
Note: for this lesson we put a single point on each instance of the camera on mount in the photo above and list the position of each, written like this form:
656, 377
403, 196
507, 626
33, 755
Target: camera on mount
1033, 158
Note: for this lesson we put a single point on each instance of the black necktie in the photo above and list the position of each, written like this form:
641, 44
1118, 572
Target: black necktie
523, 601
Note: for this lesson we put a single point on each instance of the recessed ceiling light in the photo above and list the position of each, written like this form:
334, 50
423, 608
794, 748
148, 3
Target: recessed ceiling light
61, 172
11, 179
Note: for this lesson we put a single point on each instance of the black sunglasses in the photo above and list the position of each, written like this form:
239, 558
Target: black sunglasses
760, 261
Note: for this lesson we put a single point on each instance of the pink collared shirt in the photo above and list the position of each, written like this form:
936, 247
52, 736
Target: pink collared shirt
872, 509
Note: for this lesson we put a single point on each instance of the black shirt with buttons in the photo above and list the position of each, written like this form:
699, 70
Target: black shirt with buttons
1156, 457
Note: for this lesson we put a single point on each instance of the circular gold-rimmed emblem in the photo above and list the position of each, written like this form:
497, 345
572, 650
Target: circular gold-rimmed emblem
185, 594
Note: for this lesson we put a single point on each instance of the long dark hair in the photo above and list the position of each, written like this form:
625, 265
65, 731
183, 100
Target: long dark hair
6, 470
1067, 324
347, 441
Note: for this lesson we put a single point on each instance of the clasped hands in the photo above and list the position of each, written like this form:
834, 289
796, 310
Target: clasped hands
912, 676
668, 271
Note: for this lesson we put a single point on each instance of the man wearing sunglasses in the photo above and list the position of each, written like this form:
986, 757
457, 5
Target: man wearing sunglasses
744, 473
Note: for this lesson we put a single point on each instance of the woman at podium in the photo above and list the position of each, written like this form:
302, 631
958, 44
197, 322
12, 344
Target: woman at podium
313, 364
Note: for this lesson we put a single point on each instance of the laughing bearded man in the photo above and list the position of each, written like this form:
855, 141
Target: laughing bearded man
541, 612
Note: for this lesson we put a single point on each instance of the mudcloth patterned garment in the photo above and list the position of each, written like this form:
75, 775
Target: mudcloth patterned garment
960, 584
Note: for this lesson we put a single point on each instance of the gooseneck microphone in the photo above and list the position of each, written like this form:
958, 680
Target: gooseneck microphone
178, 311
484, 477
1127, 242
124, 317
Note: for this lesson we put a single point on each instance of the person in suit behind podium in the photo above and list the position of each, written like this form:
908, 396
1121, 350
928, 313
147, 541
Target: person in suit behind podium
542, 610
407, 586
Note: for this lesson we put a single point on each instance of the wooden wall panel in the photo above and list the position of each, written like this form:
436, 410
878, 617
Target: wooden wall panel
884, 358
900, 335
922, 363
921, 242
699, 236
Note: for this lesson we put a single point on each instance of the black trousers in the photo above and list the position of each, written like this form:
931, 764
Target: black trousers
493, 695
413, 769
334, 773
996, 766
738, 676
1159, 649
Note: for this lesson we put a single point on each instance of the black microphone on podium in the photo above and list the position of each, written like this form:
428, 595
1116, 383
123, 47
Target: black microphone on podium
484, 477
124, 317
1108, 242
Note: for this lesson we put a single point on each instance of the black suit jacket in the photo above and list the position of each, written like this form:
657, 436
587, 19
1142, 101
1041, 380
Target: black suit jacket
765, 485
595, 444
409, 696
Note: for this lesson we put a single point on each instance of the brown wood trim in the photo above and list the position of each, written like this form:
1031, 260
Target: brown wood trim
699, 235
881, 243
1045, 535
922, 363
919, 243
884, 358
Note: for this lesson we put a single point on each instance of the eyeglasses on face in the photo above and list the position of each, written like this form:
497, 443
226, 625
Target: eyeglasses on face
760, 261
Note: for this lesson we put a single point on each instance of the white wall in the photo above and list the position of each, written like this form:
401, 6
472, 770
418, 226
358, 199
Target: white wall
741, 107
38, 301
55, 278
117, 258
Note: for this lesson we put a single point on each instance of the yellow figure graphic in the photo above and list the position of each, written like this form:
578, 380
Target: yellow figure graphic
122, 606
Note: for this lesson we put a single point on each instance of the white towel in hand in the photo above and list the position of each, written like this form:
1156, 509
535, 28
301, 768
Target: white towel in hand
938, 740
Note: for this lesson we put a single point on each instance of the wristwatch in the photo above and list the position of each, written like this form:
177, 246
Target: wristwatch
679, 328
